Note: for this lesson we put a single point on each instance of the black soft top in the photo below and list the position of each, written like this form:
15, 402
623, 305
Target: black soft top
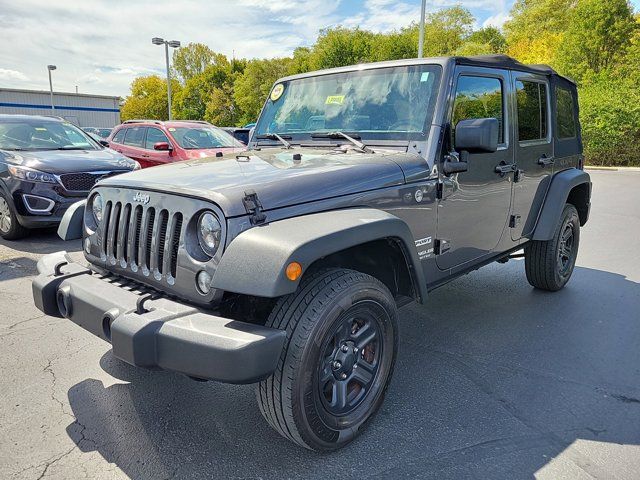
508, 63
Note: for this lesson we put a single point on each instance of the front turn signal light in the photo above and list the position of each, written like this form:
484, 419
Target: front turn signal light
293, 271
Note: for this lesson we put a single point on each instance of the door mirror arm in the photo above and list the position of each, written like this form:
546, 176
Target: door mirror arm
455, 163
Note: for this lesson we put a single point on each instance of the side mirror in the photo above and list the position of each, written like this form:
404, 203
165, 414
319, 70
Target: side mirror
164, 146
104, 143
477, 135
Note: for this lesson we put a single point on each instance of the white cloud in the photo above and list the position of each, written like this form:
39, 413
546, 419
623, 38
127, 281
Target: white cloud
101, 46
496, 20
6, 74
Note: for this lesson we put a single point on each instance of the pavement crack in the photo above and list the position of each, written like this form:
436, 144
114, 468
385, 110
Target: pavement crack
49, 463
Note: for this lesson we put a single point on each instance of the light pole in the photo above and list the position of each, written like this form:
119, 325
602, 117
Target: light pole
50, 68
167, 44
421, 37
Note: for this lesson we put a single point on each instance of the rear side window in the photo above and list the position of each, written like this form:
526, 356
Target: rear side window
134, 136
154, 135
531, 99
479, 97
565, 113
119, 136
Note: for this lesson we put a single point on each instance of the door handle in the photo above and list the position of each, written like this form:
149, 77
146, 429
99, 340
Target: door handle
145, 155
504, 168
543, 161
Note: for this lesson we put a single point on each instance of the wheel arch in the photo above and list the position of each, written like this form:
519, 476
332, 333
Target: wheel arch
362, 239
569, 186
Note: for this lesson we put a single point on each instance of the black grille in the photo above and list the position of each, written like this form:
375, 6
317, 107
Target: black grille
141, 238
80, 182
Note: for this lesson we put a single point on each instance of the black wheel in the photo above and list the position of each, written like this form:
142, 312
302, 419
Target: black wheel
10, 229
337, 361
549, 264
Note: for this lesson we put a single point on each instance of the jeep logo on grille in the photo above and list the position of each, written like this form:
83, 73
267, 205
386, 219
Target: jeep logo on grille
141, 198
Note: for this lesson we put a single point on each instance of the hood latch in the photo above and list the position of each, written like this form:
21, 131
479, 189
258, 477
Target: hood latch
253, 207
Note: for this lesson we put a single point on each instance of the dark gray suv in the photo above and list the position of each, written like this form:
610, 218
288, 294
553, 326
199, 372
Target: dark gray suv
47, 164
363, 189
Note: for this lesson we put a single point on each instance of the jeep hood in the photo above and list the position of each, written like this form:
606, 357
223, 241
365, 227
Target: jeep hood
277, 178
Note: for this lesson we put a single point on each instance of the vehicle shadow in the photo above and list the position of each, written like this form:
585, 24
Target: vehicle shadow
42, 241
18, 258
493, 380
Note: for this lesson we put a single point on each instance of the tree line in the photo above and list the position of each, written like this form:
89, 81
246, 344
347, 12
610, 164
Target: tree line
595, 42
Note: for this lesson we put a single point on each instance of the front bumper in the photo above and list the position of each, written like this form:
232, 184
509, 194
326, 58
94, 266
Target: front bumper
156, 333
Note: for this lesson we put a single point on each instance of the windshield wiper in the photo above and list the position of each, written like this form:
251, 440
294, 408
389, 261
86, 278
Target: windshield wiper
361, 146
275, 136
71, 147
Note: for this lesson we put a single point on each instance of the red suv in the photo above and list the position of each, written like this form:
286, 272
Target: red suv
152, 142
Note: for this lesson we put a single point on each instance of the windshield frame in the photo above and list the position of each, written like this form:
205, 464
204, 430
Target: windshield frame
35, 122
369, 137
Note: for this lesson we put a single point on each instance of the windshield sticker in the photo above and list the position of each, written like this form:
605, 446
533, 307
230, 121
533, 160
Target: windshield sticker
171, 129
41, 129
424, 77
277, 91
335, 100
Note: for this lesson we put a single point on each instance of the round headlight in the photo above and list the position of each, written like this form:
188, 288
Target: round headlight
209, 233
97, 208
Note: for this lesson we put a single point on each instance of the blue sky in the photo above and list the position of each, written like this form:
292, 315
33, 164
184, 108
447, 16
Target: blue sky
102, 45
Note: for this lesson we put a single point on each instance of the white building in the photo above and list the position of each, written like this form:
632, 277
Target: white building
78, 108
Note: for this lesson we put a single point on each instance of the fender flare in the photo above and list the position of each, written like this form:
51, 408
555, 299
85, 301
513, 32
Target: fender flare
561, 185
255, 261
70, 227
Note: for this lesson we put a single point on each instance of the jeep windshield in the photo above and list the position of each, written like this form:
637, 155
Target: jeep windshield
392, 103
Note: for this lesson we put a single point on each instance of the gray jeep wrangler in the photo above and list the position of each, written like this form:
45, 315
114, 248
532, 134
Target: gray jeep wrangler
363, 188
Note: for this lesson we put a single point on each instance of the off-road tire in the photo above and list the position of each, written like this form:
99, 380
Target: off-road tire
15, 231
291, 400
542, 259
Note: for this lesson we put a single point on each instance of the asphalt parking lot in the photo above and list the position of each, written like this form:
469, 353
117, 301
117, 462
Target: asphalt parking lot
494, 380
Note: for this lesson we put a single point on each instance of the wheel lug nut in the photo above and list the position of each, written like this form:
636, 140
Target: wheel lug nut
343, 376
345, 349
355, 349
336, 365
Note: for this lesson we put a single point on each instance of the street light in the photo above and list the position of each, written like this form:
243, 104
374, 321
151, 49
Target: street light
50, 68
421, 37
167, 44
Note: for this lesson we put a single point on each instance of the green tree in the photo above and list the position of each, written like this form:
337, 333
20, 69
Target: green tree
254, 84
598, 36
535, 29
490, 36
446, 30
148, 98
191, 102
341, 46
396, 45
193, 59
609, 116
301, 61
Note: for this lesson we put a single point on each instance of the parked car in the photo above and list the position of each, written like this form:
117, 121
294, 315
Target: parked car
152, 142
364, 188
47, 164
101, 132
240, 134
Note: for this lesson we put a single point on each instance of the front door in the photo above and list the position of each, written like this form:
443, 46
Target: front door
156, 157
474, 209
534, 150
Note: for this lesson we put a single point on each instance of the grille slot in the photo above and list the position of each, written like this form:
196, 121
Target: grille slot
142, 239
175, 243
82, 182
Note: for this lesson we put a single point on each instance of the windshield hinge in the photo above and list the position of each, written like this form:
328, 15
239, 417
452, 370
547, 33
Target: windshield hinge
253, 207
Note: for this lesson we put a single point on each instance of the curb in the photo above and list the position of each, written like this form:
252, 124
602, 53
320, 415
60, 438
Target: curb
612, 169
